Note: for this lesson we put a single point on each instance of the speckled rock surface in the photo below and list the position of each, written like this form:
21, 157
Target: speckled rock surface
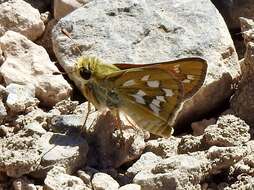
187, 171
242, 102
112, 148
228, 131
29, 64
102, 181
19, 153
21, 17
68, 151
58, 179
20, 97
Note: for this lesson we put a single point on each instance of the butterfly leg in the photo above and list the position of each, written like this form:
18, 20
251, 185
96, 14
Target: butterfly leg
132, 125
118, 120
84, 128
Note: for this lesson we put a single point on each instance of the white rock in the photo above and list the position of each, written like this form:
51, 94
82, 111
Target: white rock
35, 117
57, 179
85, 177
242, 102
130, 187
111, 148
144, 32
186, 171
3, 111
147, 161
19, 154
24, 184
102, 181
29, 64
68, 151
64, 7
20, 97
163, 147
228, 131
21, 17
35, 127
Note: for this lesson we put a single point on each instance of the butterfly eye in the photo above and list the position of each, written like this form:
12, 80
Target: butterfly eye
85, 73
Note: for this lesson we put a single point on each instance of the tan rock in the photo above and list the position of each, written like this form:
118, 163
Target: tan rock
58, 179
242, 102
111, 147
130, 187
228, 131
186, 171
20, 97
64, 7
23, 183
29, 64
68, 151
21, 17
19, 153
163, 147
102, 181
45, 41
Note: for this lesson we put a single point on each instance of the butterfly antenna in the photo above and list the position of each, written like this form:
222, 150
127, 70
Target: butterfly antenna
59, 73
66, 33
243, 32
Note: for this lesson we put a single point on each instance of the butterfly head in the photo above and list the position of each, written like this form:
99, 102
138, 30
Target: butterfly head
87, 68
84, 68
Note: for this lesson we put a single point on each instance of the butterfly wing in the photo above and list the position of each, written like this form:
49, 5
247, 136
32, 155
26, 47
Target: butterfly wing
154, 93
150, 96
143, 118
190, 71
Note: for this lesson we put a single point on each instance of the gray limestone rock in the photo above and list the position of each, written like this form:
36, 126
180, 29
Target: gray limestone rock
228, 131
102, 181
20, 97
186, 171
58, 179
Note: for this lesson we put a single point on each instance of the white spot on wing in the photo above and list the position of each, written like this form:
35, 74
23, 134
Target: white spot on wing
141, 93
139, 98
153, 84
176, 68
145, 78
129, 83
190, 77
186, 81
156, 102
154, 108
161, 98
168, 92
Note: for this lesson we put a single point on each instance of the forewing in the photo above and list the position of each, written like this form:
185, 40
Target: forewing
191, 72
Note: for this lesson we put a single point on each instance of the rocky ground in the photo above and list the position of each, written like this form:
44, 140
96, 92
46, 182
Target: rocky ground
41, 113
